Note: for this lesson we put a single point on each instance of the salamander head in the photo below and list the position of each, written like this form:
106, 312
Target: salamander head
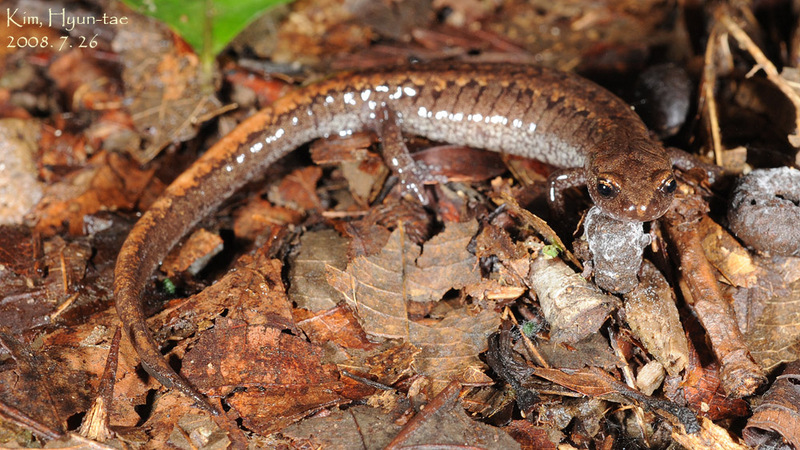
631, 181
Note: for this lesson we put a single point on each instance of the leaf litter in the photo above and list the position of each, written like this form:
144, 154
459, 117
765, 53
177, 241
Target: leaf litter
389, 313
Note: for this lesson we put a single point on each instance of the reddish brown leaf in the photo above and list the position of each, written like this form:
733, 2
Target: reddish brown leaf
113, 183
283, 374
337, 325
193, 255
254, 293
258, 215
703, 392
298, 190
531, 437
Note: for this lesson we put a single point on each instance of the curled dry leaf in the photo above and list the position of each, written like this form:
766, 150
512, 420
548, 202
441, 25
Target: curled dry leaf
776, 421
701, 389
651, 314
574, 307
739, 374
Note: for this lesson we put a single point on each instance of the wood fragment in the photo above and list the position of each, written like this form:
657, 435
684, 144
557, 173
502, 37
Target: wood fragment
739, 374
449, 394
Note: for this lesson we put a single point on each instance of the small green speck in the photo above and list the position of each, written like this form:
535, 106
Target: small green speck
168, 286
551, 251
530, 328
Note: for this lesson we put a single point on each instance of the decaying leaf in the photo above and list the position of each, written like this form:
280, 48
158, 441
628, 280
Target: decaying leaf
775, 337
273, 378
309, 288
166, 90
19, 188
111, 182
651, 313
358, 427
573, 306
776, 421
194, 254
378, 288
253, 293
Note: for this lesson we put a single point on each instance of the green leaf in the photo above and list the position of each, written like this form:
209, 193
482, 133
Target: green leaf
193, 19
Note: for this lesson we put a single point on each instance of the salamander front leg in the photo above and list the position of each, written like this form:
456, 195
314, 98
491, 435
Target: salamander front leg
686, 161
560, 180
411, 174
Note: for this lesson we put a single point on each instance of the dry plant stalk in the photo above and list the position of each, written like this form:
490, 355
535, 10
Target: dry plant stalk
739, 374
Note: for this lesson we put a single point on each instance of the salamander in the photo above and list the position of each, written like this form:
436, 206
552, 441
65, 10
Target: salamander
555, 117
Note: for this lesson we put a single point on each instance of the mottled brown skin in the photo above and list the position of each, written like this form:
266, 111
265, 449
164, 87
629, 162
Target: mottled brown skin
556, 117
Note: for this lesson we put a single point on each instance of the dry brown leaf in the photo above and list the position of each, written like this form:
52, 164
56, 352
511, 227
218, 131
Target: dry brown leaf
727, 255
336, 325
775, 337
358, 427
258, 215
298, 190
193, 254
254, 293
166, 89
651, 314
449, 349
111, 182
385, 364
308, 287
375, 288
273, 378
444, 264
19, 187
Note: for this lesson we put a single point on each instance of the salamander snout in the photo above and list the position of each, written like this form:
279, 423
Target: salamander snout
631, 196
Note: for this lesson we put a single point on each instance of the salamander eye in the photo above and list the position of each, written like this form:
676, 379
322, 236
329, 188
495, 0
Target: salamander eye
607, 189
669, 185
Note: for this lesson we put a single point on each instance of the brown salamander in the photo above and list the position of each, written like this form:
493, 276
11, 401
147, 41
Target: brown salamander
556, 117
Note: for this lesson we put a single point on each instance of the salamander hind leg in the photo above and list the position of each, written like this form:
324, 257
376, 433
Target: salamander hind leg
411, 174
